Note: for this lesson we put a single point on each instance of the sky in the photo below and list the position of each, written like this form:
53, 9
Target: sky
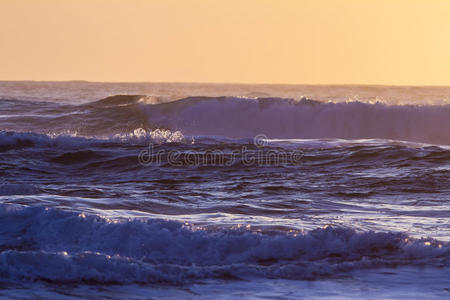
392, 42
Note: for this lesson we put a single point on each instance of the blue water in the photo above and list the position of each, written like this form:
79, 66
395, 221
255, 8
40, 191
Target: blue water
225, 197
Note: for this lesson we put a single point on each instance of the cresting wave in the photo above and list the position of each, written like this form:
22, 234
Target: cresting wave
240, 117
51, 244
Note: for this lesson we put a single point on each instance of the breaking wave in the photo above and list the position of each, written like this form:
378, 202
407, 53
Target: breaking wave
50, 244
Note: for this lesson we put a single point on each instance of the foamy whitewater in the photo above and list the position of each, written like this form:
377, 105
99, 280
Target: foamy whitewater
187, 191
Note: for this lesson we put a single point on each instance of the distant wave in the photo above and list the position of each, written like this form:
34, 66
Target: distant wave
49, 244
236, 117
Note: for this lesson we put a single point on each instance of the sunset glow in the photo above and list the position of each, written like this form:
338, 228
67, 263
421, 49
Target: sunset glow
401, 42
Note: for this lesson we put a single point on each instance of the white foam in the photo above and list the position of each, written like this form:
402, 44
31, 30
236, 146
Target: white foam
157, 136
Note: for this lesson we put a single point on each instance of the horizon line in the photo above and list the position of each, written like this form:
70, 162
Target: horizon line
232, 83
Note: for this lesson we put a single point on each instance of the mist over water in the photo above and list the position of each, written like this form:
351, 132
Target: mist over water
344, 182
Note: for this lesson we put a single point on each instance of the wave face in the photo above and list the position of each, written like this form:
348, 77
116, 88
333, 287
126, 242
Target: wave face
305, 119
49, 244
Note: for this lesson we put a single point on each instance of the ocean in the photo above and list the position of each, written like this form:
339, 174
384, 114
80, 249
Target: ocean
226, 191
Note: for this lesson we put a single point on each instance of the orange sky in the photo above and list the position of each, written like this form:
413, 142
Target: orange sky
404, 42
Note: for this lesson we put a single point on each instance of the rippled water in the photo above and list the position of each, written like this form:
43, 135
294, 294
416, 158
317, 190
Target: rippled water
157, 196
